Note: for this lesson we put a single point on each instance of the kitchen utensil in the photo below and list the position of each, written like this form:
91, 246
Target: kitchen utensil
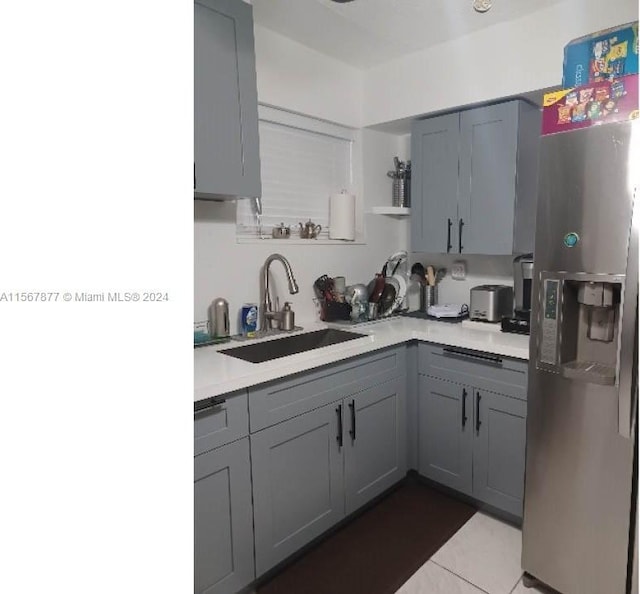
418, 269
357, 293
401, 291
372, 311
281, 232
388, 297
339, 284
309, 230
431, 277
359, 310
375, 292
393, 261
440, 274
323, 287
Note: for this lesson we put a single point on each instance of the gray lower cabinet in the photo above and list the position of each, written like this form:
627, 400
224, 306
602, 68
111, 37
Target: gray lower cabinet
375, 441
226, 148
472, 432
298, 490
446, 433
499, 451
223, 519
312, 470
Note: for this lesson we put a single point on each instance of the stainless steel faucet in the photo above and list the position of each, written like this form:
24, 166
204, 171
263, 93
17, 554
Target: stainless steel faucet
266, 311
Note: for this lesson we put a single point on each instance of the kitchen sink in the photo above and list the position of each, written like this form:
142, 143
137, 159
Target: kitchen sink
290, 345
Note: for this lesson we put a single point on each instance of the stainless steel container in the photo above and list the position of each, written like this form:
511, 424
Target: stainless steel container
288, 318
219, 318
428, 296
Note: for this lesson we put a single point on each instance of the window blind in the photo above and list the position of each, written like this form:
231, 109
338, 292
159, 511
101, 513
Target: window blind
300, 169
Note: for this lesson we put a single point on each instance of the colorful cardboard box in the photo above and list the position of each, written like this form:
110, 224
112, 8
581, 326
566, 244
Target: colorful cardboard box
593, 104
604, 55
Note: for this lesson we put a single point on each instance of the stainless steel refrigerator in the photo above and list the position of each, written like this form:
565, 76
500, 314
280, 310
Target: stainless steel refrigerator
580, 486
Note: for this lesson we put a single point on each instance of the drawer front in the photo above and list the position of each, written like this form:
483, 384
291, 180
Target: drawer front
225, 419
481, 370
279, 400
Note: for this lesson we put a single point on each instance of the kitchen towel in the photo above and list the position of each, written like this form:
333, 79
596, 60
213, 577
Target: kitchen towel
342, 216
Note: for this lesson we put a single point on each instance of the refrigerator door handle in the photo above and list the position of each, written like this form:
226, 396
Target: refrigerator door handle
628, 351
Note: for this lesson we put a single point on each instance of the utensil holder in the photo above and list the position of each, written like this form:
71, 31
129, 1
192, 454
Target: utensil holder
401, 191
334, 310
399, 196
428, 297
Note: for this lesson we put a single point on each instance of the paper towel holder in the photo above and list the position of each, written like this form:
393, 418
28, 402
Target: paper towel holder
342, 216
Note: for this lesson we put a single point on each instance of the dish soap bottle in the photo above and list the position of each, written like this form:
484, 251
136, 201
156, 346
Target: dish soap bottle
288, 317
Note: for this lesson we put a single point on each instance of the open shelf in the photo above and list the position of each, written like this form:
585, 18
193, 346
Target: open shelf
398, 211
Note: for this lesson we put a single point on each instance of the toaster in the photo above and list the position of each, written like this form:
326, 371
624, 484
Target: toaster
490, 303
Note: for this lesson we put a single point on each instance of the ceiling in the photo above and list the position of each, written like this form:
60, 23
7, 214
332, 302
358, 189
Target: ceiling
364, 33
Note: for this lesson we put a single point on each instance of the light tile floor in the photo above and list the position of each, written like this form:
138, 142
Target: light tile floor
482, 557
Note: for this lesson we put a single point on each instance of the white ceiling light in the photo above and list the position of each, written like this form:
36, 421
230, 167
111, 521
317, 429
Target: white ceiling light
481, 5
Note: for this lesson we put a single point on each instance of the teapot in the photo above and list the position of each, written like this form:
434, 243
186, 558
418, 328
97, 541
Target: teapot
309, 230
281, 232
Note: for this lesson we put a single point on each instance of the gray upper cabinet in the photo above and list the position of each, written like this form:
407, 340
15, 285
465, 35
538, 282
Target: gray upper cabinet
375, 441
474, 180
486, 200
446, 433
227, 162
298, 489
223, 526
434, 184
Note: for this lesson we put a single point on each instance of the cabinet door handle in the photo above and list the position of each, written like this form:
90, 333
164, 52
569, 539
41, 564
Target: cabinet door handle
208, 404
454, 352
339, 436
194, 176
460, 225
478, 423
449, 246
464, 407
352, 431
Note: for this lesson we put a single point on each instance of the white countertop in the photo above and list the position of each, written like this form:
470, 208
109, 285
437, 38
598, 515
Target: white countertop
215, 373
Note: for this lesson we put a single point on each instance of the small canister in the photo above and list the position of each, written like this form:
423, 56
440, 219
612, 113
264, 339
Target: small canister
219, 318
428, 297
288, 317
249, 319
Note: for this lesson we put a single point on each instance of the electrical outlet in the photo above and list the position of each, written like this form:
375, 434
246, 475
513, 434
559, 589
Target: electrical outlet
458, 271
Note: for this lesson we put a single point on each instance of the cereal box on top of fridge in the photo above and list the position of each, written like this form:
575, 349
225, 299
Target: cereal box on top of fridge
603, 55
601, 102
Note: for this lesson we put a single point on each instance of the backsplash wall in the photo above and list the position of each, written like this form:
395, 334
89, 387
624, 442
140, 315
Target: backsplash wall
225, 268
481, 270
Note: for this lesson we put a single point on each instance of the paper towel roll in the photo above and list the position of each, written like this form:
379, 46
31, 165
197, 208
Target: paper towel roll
342, 216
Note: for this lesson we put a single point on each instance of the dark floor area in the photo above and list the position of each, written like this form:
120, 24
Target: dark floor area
380, 549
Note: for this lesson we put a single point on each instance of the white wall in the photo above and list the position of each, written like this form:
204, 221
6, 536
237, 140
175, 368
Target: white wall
503, 60
481, 270
224, 268
302, 80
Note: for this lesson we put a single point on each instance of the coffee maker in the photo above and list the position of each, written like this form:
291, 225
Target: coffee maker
520, 323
